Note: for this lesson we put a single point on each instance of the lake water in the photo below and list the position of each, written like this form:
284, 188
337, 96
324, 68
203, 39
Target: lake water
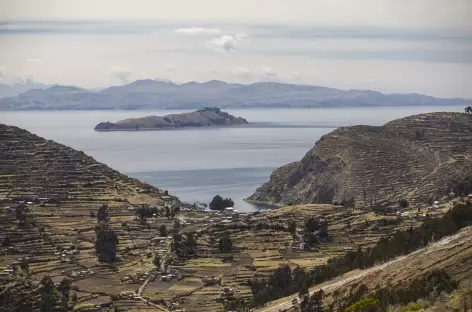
196, 164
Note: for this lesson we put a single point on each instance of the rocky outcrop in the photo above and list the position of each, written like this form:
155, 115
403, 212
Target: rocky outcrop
413, 158
206, 117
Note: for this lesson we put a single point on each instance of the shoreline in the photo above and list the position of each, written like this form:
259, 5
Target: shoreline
170, 128
268, 205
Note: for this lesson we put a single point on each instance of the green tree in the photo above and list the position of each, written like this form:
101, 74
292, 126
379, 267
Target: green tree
20, 212
49, 295
403, 203
106, 242
218, 203
191, 242
141, 213
313, 303
292, 227
163, 231
64, 289
102, 214
6, 242
225, 244
24, 266
315, 230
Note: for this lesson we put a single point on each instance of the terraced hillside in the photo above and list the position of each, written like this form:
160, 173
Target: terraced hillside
31, 166
414, 158
451, 254
62, 189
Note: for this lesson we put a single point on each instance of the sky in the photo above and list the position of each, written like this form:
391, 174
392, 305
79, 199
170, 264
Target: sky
391, 46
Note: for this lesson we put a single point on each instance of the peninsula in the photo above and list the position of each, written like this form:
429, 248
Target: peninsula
417, 158
207, 117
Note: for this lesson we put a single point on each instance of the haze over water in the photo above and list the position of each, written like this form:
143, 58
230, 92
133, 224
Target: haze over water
196, 164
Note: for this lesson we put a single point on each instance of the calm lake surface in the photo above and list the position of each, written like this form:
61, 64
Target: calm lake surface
197, 164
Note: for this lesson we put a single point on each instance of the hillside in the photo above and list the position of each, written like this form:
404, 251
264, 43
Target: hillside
414, 158
31, 166
57, 238
206, 117
152, 94
451, 254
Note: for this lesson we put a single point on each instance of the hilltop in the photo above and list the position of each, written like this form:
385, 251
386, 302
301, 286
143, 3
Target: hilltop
152, 94
415, 158
206, 117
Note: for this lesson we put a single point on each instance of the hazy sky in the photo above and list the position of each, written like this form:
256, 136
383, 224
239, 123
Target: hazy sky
422, 46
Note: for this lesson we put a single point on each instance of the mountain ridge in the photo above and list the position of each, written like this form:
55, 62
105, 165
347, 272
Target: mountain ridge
156, 94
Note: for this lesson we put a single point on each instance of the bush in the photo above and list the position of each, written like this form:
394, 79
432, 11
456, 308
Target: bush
163, 231
114, 297
403, 203
411, 307
364, 305
225, 244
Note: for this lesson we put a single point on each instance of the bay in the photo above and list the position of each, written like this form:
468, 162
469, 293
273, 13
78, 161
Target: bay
196, 164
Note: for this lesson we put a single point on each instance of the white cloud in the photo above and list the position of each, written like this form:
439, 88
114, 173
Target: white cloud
226, 43
198, 31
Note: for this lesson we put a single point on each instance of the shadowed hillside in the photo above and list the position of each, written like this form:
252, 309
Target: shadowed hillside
415, 158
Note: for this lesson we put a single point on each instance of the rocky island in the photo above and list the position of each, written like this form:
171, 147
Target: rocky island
416, 158
207, 117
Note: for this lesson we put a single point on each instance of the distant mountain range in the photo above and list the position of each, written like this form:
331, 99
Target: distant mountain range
153, 94
8, 90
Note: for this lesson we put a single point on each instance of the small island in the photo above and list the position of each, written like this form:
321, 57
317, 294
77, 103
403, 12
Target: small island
207, 117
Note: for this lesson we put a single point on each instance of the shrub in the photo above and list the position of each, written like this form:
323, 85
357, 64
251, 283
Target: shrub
411, 307
403, 203
364, 305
